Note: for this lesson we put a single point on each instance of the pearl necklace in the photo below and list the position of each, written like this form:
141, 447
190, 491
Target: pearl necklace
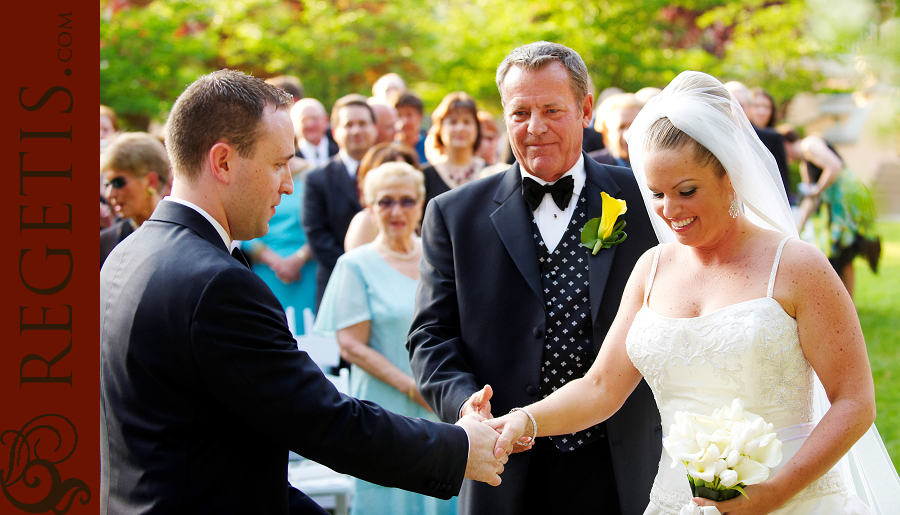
393, 253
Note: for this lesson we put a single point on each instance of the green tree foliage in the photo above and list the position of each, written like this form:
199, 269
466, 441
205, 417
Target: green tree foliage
151, 49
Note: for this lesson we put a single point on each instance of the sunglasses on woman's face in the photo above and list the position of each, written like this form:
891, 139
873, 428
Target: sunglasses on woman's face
389, 202
116, 182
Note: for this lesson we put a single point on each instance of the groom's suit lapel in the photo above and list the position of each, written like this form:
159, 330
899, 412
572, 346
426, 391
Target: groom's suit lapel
599, 265
512, 220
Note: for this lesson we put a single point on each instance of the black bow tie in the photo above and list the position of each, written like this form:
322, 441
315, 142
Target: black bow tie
561, 190
237, 254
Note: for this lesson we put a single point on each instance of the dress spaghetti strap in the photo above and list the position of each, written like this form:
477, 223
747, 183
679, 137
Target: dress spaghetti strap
652, 273
775, 267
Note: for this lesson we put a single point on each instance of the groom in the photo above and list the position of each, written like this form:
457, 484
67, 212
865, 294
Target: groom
509, 297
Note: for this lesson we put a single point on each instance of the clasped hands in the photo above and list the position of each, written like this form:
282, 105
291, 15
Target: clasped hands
491, 440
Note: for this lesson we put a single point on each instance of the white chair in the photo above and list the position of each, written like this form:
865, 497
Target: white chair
323, 350
329, 489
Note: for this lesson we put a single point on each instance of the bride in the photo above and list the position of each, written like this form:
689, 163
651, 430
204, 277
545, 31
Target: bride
735, 306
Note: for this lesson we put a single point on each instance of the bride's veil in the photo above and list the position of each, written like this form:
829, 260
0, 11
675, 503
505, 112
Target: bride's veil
698, 105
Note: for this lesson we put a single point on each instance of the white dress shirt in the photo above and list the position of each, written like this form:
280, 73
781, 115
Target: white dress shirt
551, 220
209, 218
351, 164
315, 154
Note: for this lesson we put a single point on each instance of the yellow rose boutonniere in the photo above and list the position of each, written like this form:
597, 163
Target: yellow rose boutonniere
604, 232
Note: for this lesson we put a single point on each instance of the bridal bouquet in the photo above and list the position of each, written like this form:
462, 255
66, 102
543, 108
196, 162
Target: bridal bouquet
724, 452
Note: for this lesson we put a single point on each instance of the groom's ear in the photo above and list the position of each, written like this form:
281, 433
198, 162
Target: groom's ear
221, 158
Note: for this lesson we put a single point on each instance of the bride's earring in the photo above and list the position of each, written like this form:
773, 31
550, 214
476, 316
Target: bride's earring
734, 209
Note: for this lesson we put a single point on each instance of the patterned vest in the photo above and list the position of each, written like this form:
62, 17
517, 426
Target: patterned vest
568, 341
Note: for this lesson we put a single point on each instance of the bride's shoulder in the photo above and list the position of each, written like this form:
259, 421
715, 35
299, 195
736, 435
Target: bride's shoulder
803, 263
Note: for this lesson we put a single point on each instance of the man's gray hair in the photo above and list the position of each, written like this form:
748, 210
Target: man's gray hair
535, 56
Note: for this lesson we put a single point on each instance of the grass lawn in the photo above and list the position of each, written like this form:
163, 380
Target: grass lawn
877, 300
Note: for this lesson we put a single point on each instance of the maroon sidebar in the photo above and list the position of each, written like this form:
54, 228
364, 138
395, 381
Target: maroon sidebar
49, 330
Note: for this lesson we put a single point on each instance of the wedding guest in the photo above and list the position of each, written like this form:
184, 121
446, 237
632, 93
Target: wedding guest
773, 141
331, 198
734, 306
387, 86
613, 118
489, 149
311, 132
511, 306
385, 119
456, 135
764, 112
109, 125
135, 169
363, 228
411, 110
646, 93
289, 84
849, 213
368, 305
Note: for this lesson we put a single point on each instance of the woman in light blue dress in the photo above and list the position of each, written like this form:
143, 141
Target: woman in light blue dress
369, 305
282, 257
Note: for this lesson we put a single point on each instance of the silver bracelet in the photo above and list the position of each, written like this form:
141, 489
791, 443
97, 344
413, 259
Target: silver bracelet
533, 426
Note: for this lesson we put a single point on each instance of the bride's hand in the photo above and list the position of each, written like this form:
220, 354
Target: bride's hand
512, 429
760, 502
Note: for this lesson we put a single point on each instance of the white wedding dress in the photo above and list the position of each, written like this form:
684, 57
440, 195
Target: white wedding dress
749, 350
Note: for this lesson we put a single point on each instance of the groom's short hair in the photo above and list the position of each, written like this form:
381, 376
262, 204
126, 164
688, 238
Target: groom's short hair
535, 56
223, 105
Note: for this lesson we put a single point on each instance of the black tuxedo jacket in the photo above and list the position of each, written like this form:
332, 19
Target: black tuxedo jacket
480, 320
203, 390
330, 201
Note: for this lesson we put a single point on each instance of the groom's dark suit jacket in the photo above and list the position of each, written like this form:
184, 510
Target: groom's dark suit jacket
330, 201
203, 390
480, 320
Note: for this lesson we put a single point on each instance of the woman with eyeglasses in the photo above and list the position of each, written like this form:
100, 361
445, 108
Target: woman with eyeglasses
369, 305
135, 171
362, 228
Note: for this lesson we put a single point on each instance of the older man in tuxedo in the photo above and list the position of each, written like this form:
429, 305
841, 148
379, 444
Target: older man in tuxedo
203, 390
510, 298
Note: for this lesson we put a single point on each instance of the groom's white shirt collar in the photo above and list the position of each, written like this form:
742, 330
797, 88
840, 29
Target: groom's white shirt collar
209, 218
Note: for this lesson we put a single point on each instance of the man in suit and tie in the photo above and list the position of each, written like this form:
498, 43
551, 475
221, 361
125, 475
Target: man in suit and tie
331, 197
614, 116
203, 389
510, 298
311, 132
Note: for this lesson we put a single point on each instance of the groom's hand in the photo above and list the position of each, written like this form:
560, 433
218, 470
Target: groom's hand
478, 404
482, 465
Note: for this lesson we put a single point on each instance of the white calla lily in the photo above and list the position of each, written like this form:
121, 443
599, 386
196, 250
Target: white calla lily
751, 472
728, 478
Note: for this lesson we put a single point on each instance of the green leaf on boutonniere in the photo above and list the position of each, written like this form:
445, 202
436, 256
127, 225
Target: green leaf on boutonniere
604, 232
